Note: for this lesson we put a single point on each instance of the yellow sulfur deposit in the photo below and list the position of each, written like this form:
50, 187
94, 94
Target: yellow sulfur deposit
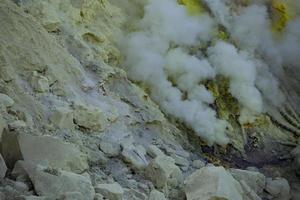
280, 15
194, 7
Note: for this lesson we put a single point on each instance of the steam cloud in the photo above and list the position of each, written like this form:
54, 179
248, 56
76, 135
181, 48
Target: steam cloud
158, 55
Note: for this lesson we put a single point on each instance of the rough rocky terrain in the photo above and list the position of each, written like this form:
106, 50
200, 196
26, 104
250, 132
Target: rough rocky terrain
73, 126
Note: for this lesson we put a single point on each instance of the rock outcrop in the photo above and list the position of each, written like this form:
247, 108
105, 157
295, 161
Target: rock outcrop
43, 150
73, 126
212, 183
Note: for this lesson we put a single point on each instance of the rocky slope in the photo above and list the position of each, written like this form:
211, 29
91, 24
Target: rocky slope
74, 127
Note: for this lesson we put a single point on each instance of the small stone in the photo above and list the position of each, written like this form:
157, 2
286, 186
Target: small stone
89, 117
278, 188
6, 101
111, 149
97, 157
18, 124
154, 151
111, 191
183, 162
3, 167
198, 164
133, 194
162, 171
135, 156
39, 83
156, 195
20, 186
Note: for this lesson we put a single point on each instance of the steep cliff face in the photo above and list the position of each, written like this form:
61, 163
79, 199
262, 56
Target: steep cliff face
70, 114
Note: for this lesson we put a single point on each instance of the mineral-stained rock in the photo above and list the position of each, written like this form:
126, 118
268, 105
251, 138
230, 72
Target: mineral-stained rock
156, 195
212, 183
255, 180
44, 150
279, 188
89, 117
162, 171
111, 191
3, 167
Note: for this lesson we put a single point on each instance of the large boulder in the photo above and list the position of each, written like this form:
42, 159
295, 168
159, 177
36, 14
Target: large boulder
44, 150
255, 180
162, 171
279, 188
210, 183
3, 167
56, 184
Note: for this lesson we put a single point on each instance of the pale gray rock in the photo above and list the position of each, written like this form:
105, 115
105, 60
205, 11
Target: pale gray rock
156, 195
45, 150
55, 184
39, 83
255, 180
71, 196
180, 161
89, 117
6, 101
133, 194
32, 197
2, 126
154, 151
135, 155
279, 188
198, 164
98, 197
21, 186
212, 182
249, 193
3, 167
110, 148
62, 118
111, 191
162, 171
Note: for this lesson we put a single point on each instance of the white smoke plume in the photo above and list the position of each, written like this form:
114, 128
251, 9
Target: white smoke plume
157, 55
